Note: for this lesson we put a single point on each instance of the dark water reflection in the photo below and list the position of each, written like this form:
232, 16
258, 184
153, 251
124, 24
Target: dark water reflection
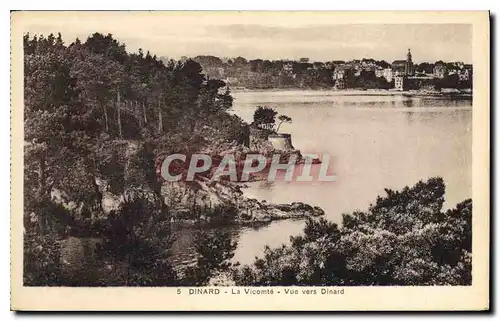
184, 245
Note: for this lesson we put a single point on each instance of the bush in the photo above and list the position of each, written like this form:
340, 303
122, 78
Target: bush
42, 260
136, 243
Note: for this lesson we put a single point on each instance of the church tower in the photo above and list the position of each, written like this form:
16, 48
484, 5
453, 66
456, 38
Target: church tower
409, 64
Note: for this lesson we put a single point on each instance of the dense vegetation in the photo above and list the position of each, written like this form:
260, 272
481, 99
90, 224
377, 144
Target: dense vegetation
265, 118
265, 74
95, 113
403, 239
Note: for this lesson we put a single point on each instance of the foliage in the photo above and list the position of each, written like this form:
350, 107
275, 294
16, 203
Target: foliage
42, 264
283, 119
403, 239
96, 118
424, 68
452, 81
214, 253
264, 117
135, 245
368, 80
266, 74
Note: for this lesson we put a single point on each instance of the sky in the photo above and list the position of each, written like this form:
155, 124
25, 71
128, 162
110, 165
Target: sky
266, 36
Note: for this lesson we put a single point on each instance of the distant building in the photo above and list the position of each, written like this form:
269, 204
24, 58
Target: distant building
288, 67
460, 65
409, 64
398, 67
329, 65
340, 73
340, 84
400, 83
304, 60
401, 71
388, 74
372, 68
421, 82
465, 73
318, 65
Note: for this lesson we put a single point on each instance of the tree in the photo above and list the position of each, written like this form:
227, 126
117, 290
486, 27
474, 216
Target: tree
42, 257
80, 100
425, 68
383, 64
403, 239
208, 61
136, 243
283, 119
240, 62
107, 46
214, 254
449, 81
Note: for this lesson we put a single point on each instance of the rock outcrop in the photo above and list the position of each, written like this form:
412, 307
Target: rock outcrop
183, 199
200, 200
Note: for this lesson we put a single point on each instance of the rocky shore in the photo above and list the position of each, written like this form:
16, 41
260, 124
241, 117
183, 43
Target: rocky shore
202, 200
449, 93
